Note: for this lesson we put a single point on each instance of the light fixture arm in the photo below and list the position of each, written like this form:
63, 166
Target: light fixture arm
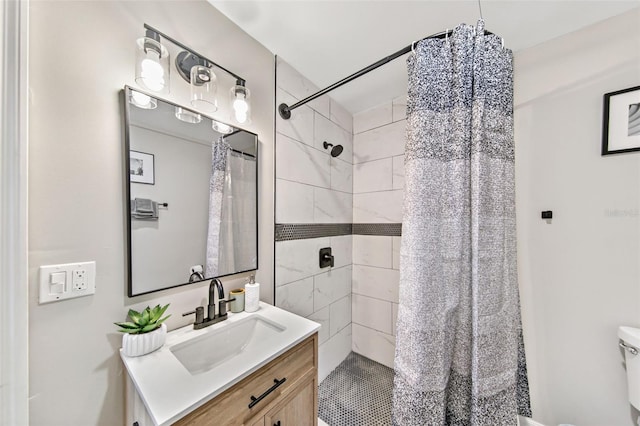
206, 60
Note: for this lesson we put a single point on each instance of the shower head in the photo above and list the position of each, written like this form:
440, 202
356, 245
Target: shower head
335, 151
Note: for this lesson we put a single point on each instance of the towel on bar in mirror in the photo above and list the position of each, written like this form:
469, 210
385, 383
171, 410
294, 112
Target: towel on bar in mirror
144, 209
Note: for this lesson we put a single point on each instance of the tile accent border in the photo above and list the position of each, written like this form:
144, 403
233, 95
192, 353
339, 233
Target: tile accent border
386, 229
303, 231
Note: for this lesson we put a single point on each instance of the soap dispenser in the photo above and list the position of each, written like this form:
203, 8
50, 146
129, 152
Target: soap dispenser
251, 295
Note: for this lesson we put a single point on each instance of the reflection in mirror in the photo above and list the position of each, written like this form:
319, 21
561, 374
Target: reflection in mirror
192, 196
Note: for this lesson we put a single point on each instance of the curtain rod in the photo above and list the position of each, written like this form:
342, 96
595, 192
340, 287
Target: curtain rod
285, 110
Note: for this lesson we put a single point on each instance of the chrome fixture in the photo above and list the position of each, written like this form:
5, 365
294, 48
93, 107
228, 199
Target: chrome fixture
143, 101
152, 73
152, 63
196, 276
212, 318
335, 151
203, 88
629, 348
240, 103
219, 127
188, 116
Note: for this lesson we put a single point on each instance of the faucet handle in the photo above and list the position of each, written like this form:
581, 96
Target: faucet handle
199, 311
222, 309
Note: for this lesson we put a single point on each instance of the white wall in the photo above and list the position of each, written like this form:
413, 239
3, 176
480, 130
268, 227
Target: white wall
378, 189
312, 187
14, 338
81, 56
580, 273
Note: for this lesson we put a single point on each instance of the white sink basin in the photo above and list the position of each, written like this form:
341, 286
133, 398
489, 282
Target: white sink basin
208, 351
195, 366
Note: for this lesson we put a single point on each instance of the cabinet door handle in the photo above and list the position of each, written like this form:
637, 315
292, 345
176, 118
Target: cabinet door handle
277, 383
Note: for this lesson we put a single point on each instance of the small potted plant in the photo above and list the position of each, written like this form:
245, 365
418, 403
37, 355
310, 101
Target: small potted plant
145, 332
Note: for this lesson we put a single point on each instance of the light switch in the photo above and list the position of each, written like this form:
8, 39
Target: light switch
56, 288
58, 278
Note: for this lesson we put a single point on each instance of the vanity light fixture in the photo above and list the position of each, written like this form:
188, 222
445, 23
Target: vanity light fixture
152, 63
195, 69
219, 127
188, 116
203, 88
142, 101
241, 109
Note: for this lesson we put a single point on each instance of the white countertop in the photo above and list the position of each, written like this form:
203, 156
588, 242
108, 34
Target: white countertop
169, 391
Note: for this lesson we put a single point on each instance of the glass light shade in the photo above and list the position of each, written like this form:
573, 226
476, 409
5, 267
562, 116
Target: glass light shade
152, 65
142, 101
188, 116
203, 88
240, 105
219, 127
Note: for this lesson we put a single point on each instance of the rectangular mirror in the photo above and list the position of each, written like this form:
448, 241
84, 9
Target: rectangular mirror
191, 195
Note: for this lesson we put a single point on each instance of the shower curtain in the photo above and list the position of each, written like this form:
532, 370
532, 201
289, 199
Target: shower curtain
219, 151
459, 350
238, 231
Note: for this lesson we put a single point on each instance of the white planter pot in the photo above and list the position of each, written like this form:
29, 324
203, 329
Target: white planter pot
142, 344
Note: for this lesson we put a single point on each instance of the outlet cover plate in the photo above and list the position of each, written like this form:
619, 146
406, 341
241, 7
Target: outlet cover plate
67, 281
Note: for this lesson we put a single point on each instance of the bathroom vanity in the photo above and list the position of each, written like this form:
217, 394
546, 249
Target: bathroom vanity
253, 369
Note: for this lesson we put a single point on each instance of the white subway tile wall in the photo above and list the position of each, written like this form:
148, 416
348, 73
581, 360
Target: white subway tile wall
380, 142
372, 118
400, 108
296, 203
378, 187
299, 87
373, 344
313, 187
356, 301
378, 207
375, 175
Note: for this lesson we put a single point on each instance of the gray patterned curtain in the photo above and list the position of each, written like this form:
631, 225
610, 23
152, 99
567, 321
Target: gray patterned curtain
219, 152
459, 350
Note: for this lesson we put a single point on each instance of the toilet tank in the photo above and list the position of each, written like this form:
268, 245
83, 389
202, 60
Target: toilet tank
631, 340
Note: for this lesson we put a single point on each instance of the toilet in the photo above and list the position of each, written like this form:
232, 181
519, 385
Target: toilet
630, 343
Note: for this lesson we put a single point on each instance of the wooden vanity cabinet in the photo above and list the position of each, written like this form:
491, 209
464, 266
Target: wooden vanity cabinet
294, 409
292, 402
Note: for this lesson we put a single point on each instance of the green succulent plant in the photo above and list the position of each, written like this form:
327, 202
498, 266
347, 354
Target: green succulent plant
145, 321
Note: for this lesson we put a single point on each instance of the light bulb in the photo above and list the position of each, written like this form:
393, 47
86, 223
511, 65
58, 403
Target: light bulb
221, 127
152, 72
240, 107
143, 101
152, 65
241, 117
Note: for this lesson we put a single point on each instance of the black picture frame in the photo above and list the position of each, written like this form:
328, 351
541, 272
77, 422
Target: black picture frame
144, 171
621, 121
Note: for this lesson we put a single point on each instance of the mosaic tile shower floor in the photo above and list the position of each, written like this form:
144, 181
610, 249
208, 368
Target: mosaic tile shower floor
357, 393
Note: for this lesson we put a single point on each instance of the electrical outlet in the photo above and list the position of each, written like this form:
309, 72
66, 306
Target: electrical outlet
79, 280
66, 281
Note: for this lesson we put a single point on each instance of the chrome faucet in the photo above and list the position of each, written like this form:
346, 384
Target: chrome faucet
211, 307
212, 318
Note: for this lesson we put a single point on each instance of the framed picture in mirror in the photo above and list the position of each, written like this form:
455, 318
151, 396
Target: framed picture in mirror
141, 167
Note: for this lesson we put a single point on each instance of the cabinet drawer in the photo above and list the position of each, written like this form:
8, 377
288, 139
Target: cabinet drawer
298, 408
232, 406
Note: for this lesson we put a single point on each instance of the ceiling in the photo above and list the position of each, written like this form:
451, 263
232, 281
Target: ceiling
327, 40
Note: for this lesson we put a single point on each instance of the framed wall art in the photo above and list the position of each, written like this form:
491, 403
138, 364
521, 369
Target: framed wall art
621, 121
141, 167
